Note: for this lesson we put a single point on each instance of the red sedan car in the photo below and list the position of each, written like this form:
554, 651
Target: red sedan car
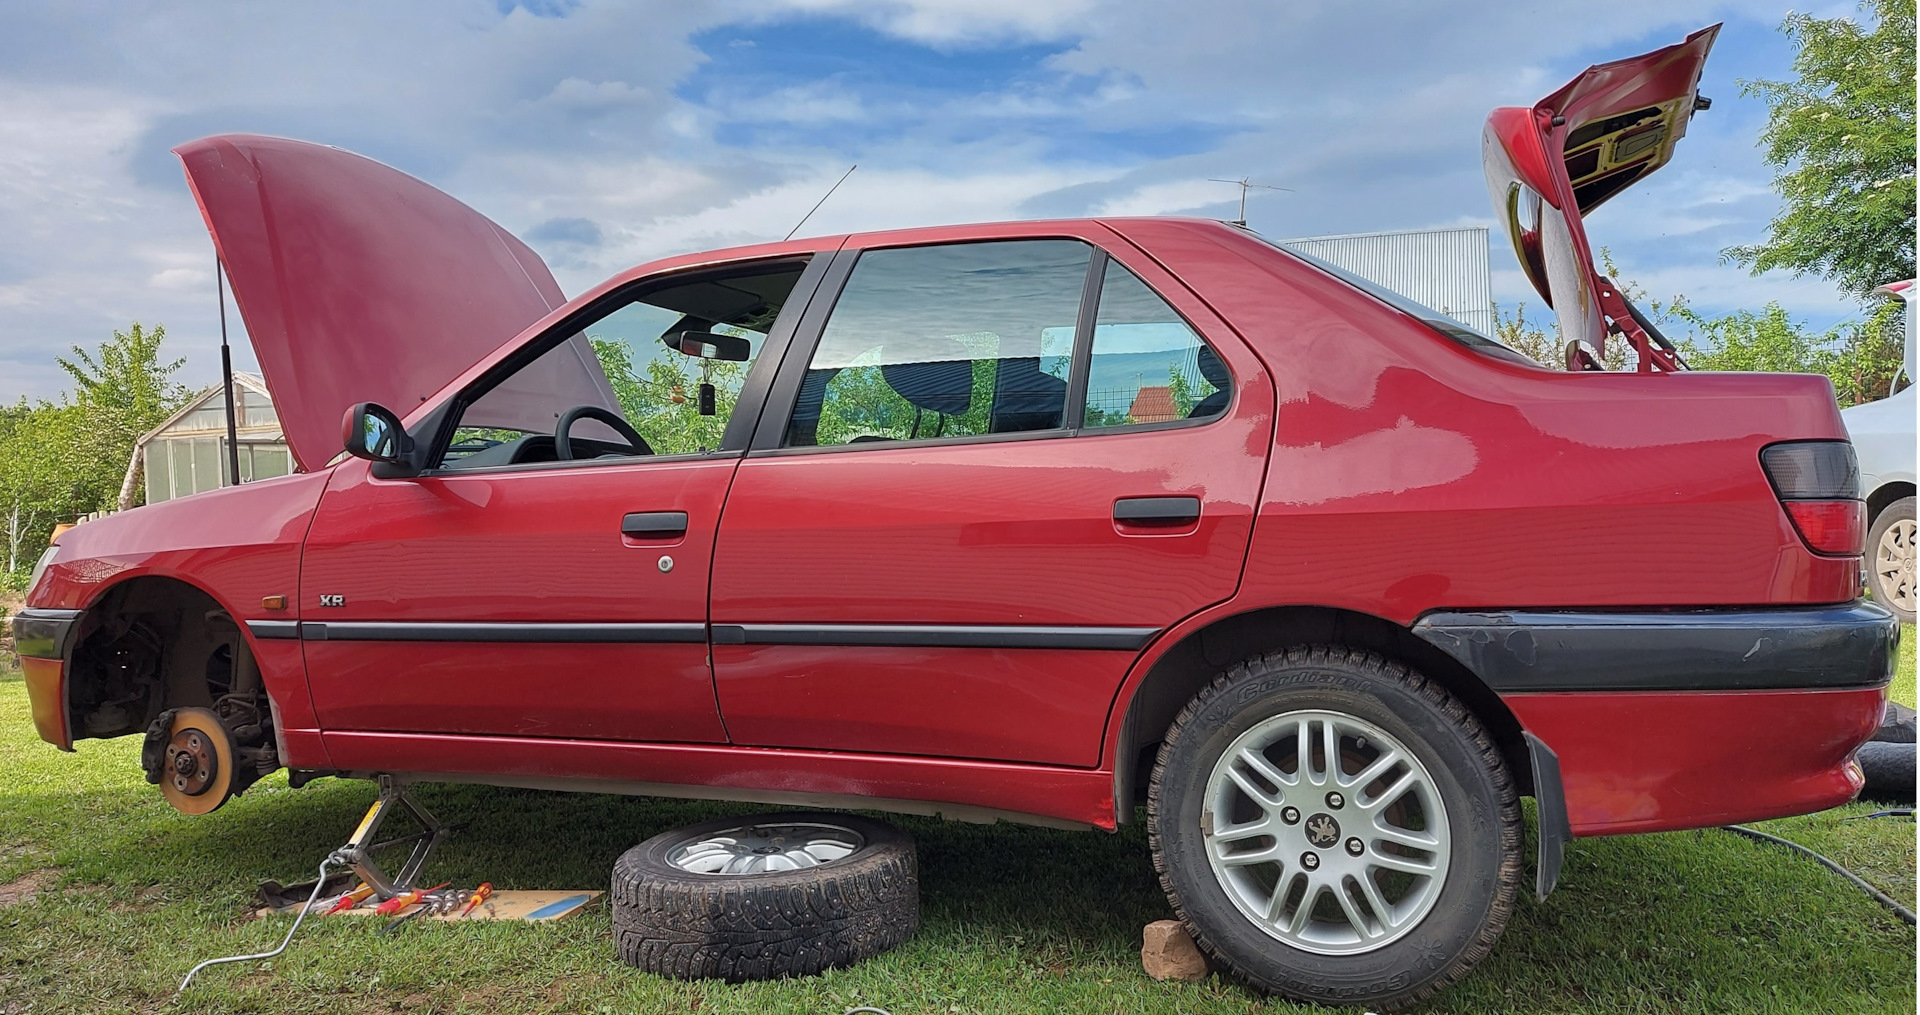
1042, 521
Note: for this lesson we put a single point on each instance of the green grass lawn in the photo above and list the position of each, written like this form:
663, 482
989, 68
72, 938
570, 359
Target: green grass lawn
1015, 918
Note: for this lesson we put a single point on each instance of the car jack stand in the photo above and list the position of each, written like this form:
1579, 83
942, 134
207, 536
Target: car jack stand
357, 854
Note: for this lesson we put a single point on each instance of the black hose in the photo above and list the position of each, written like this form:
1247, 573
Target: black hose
1878, 896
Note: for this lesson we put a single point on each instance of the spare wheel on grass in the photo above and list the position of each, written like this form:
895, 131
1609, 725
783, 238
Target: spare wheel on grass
754, 898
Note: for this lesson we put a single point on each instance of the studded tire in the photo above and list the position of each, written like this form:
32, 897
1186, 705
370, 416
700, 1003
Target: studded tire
1478, 892
738, 927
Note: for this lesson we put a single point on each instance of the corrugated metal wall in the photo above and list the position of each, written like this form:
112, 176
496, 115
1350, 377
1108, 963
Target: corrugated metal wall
1446, 269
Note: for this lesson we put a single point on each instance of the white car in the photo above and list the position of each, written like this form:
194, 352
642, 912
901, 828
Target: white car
1883, 437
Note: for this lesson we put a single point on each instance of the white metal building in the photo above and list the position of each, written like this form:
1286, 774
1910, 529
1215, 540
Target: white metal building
1445, 269
188, 453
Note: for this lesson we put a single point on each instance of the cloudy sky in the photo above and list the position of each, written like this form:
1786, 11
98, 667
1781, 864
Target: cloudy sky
607, 134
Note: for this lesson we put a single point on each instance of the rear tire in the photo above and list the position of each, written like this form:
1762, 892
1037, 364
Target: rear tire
1890, 558
677, 913
1400, 937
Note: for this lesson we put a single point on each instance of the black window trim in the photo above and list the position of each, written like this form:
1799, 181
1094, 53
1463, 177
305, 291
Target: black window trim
443, 420
776, 411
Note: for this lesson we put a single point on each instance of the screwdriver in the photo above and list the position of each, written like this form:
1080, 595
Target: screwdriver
406, 898
480, 895
350, 899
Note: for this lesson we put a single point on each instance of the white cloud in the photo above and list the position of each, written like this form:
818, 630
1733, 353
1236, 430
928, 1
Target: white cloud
1370, 112
947, 22
1170, 197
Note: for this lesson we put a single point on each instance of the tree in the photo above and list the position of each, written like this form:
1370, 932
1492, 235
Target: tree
123, 391
1842, 139
63, 459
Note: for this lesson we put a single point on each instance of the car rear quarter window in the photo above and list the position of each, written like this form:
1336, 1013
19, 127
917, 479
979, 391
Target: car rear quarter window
1149, 365
957, 340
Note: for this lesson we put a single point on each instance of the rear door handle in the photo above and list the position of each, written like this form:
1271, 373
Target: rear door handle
1157, 511
654, 524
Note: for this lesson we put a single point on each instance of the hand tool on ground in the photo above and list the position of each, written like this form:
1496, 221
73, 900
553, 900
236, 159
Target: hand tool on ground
406, 898
348, 900
480, 894
357, 855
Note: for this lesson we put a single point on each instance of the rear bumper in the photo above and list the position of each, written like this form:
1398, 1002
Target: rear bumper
1519, 651
41, 638
1675, 720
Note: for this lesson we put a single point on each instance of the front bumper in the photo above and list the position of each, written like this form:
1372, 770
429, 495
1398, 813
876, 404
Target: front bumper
1686, 719
42, 639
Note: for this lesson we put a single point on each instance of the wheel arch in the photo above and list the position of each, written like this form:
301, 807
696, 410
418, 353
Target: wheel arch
1886, 494
1180, 671
153, 636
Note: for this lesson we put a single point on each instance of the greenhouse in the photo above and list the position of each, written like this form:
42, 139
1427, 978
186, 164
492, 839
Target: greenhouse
188, 453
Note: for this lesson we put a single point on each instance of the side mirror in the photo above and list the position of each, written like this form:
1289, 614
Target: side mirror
374, 433
706, 345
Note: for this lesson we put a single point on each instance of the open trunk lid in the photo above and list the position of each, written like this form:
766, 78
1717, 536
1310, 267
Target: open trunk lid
1549, 165
359, 283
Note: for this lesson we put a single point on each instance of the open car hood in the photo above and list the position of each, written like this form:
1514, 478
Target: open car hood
359, 283
1549, 165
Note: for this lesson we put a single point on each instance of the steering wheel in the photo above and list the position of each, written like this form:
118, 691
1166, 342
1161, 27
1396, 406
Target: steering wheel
563, 444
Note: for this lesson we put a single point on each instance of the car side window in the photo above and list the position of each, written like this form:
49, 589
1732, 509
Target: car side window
956, 340
667, 364
1148, 364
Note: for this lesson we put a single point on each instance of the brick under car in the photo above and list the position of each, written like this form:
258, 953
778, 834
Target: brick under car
1043, 521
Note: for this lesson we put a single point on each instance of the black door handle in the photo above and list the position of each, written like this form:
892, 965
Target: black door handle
1166, 511
654, 524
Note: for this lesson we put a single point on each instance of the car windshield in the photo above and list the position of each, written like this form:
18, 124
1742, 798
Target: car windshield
1426, 315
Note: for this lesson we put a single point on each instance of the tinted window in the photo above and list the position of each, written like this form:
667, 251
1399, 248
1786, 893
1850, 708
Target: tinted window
948, 341
1148, 365
628, 362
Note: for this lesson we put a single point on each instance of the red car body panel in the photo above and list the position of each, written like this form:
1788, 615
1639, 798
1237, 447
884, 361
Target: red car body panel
239, 544
1368, 466
1625, 482
1018, 531
357, 282
1658, 762
956, 788
517, 547
1575, 149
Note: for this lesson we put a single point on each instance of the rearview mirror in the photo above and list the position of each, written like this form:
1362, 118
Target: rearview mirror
374, 433
706, 345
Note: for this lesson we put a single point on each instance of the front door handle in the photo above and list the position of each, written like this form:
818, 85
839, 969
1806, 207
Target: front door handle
1167, 512
654, 524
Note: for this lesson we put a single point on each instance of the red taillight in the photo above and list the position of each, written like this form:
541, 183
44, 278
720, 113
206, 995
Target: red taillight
1818, 482
1836, 527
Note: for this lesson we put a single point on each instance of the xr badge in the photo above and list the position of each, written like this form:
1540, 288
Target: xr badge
329, 599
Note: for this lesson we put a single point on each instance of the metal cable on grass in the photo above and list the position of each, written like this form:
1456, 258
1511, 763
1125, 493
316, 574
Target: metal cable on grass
1878, 896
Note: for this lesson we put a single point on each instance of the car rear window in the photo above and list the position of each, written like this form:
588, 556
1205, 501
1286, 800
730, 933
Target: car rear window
1446, 326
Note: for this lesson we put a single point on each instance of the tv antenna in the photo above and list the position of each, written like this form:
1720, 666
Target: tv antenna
1245, 185
817, 204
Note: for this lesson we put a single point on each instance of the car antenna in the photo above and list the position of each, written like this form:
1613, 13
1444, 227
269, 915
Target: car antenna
1245, 185
817, 204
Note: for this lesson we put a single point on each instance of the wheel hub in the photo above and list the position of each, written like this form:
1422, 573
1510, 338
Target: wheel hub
194, 764
1323, 831
761, 849
1326, 832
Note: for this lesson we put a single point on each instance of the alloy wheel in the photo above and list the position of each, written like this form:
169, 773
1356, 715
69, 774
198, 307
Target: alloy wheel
1893, 565
762, 848
1326, 832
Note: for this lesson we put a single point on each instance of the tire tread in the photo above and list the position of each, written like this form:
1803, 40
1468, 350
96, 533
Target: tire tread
765, 926
1511, 823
